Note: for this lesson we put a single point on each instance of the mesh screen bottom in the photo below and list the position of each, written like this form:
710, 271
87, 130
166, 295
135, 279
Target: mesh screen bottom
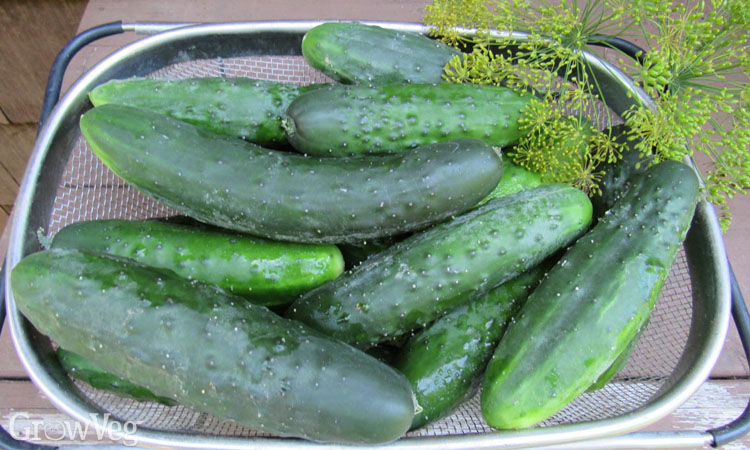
89, 190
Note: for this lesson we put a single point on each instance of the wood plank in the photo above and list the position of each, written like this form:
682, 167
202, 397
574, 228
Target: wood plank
10, 365
32, 35
8, 187
4, 216
18, 142
102, 11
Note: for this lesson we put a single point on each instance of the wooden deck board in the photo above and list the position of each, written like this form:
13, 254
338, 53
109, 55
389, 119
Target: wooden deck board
17, 144
31, 35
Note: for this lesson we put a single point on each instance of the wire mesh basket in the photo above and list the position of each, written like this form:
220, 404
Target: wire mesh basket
66, 183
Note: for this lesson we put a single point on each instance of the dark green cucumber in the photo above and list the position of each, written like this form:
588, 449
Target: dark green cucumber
286, 196
352, 52
241, 107
619, 175
266, 272
515, 179
444, 362
432, 272
344, 120
619, 363
82, 369
210, 350
592, 303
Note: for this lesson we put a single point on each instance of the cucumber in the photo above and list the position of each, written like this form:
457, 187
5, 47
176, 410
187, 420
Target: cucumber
592, 303
210, 350
345, 120
265, 272
444, 362
352, 52
286, 196
241, 107
619, 363
515, 179
432, 272
82, 369
619, 175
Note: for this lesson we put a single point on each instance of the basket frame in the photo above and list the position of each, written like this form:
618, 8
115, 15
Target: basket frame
178, 42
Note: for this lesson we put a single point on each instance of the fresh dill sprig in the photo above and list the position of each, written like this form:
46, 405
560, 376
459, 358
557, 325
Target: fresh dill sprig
696, 69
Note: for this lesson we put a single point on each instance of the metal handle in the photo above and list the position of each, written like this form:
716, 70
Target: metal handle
741, 425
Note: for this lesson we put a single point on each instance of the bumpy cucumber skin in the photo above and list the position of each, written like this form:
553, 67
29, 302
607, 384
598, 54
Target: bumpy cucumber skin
82, 369
344, 120
592, 303
355, 53
266, 272
241, 107
444, 362
286, 196
515, 179
210, 350
421, 278
619, 175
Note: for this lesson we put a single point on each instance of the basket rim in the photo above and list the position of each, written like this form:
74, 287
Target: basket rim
72, 404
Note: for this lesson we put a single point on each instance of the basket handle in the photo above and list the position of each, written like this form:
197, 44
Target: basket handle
741, 425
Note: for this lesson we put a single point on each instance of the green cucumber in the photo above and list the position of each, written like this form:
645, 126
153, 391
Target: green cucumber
444, 362
210, 350
432, 272
241, 107
619, 363
82, 369
286, 196
592, 303
515, 179
352, 52
344, 120
619, 175
266, 272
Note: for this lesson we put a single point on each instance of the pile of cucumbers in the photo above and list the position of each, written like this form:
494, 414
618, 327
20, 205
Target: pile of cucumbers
353, 259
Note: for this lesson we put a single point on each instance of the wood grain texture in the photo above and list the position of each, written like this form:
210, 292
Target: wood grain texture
4, 215
33, 32
8, 187
17, 143
10, 365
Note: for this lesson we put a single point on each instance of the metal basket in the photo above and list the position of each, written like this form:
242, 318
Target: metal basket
65, 183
